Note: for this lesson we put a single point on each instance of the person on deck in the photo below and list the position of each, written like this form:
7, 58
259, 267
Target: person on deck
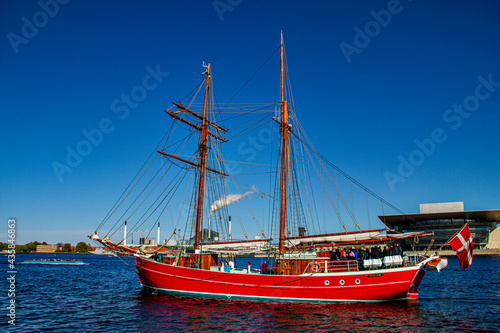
397, 250
362, 254
333, 254
369, 253
387, 251
354, 253
376, 252
227, 268
343, 254
263, 268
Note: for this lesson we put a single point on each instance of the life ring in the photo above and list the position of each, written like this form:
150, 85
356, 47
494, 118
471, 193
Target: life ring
315, 267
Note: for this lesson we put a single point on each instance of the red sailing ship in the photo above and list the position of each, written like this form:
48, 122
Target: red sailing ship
301, 268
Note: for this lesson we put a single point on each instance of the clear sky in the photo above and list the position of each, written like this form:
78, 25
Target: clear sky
403, 95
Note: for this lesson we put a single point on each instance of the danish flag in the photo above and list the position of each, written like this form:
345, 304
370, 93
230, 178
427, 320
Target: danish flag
462, 245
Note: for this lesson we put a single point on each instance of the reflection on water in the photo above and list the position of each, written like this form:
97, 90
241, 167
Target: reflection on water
212, 315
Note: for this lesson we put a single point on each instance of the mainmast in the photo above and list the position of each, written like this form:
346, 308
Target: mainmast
284, 136
203, 158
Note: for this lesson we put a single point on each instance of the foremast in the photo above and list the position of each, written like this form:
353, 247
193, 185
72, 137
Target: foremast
202, 150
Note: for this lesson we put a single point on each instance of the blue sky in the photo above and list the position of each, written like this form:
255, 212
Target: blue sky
404, 96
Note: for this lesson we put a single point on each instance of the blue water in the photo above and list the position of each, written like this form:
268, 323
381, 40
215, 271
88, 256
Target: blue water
105, 296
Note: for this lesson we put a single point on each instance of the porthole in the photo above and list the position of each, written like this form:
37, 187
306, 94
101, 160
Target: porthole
357, 281
327, 282
342, 282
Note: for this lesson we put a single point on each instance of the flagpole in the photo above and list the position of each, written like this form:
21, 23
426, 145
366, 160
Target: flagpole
451, 237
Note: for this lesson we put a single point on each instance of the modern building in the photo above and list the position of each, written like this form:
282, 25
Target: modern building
444, 219
147, 241
46, 248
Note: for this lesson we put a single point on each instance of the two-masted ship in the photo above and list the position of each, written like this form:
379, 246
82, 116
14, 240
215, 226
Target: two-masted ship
301, 266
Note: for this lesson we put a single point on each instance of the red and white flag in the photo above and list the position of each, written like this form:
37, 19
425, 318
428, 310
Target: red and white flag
462, 245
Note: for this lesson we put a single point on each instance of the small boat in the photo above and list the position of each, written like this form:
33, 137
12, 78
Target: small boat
54, 262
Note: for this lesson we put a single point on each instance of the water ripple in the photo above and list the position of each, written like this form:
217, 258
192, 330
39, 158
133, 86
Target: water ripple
104, 296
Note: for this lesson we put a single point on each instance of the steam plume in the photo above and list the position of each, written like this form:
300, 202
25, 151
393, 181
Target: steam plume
228, 199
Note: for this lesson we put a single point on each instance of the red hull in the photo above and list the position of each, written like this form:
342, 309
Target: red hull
363, 286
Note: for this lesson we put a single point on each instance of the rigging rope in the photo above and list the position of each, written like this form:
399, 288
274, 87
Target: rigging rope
252, 76
368, 211
350, 178
115, 207
173, 189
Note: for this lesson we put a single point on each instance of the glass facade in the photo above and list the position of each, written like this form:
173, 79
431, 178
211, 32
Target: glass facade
443, 230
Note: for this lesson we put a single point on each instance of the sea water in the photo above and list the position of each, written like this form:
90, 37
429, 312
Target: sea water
105, 296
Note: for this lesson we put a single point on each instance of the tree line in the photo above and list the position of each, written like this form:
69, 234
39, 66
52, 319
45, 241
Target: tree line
81, 247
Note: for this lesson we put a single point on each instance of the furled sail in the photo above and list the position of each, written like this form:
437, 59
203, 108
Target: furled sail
257, 243
335, 238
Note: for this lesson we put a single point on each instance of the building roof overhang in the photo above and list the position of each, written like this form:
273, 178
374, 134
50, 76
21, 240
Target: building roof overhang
408, 219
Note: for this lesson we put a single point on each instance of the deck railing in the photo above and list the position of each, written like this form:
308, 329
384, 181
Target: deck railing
410, 260
325, 266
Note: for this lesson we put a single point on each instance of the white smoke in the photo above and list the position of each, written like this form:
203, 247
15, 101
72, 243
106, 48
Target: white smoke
228, 199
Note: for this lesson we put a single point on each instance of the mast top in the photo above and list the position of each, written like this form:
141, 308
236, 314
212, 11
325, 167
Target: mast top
207, 70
